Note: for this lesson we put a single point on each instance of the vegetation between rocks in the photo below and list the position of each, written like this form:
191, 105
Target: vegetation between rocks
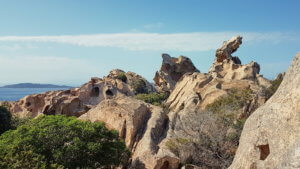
152, 98
274, 86
122, 76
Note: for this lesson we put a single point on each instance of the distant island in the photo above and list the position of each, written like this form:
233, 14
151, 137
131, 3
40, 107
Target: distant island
34, 85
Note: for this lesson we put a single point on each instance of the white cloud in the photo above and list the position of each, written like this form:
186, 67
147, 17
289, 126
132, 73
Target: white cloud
197, 41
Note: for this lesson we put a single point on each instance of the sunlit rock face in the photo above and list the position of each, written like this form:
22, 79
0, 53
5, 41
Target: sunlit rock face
171, 71
77, 101
271, 135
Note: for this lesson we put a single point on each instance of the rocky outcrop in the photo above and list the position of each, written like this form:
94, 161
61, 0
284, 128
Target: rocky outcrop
197, 90
135, 82
194, 102
171, 71
77, 101
270, 138
141, 125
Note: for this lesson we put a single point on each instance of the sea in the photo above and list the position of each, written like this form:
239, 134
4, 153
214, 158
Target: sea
14, 94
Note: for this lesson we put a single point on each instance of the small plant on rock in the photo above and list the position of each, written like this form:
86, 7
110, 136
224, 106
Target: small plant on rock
122, 76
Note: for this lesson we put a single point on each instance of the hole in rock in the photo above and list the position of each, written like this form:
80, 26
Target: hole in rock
95, 92
28, 104
264, 151
166, 165
109, 92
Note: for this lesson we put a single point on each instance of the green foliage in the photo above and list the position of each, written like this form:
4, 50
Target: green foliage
152, 98
139, 86
122, 77
61, 142
17, 121
176, 144
5, 119
273, 88
232, 102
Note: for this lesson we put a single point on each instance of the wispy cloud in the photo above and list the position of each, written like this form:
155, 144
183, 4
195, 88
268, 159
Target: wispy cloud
197, 41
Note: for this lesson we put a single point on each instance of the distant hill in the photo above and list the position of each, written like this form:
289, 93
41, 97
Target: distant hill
33, 85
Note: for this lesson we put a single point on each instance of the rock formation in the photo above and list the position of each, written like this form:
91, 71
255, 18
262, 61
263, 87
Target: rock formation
228, 48
172, 69
141, 125
77, 101
191, 120
271, 135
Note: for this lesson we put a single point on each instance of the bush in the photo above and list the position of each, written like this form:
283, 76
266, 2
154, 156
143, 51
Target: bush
122, 77
235, 100
61, 142
209, 138
273, 88
139, 86
17, 121
5, 119
152, 98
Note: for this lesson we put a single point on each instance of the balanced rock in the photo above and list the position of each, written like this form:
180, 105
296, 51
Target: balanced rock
171, 71
270, 138
228, 48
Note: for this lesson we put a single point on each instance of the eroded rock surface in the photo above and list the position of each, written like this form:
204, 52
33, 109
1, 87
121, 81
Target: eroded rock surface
77, 101
171, 71
270, 138
229, 47
141, 125
200, 133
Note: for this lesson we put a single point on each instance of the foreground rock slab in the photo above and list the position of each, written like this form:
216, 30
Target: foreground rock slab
271, 135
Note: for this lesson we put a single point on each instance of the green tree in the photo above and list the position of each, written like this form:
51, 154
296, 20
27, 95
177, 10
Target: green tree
61, 142
5, 119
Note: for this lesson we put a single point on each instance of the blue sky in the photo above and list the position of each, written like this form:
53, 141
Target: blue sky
67, 42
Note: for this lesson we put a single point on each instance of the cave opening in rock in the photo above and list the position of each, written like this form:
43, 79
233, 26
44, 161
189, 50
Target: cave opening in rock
264, 151
28, 104
166, 165
109, 92
95, 92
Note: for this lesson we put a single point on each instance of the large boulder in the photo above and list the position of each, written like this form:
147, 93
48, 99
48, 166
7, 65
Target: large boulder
270, 138
141, 125
171, 71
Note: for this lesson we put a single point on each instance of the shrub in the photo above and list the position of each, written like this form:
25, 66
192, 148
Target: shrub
274, 86
5, 119
17, 121
61, 142
139, 86
232, 102
122, 76
152, 98
211, 136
